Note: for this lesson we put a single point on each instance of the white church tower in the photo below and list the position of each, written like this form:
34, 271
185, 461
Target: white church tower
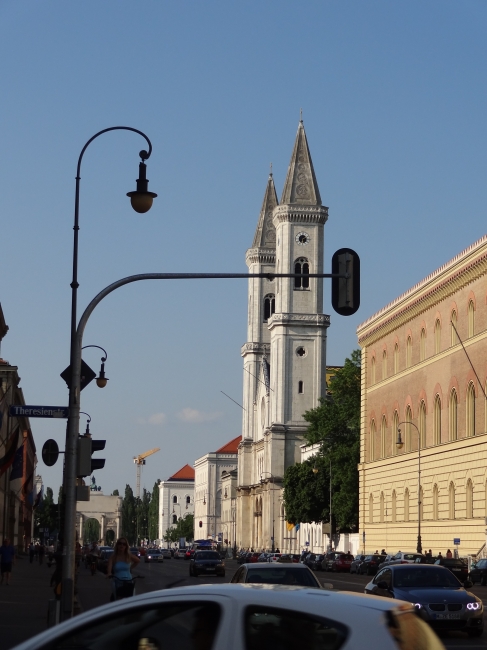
285, 353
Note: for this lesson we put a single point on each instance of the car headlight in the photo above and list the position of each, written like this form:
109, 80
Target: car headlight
473, 607
417, 605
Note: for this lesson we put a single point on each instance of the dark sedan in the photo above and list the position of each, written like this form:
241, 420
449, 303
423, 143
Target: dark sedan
313, 561
459, 568
357, 561
370, 564
478, 572
206, 562
435, 592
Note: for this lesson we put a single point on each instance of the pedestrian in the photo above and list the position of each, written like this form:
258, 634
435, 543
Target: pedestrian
429, 554
7, 559
119, 568
32, 550
42, 550
440, 556
449, 554
383, 552
376, 552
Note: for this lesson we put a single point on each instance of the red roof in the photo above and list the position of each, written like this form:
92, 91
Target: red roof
231, 447
186, 473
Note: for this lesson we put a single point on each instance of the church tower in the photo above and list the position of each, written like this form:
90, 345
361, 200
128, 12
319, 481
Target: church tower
285, 353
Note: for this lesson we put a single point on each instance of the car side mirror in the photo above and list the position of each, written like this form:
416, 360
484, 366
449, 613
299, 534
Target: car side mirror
467, 584
383, 585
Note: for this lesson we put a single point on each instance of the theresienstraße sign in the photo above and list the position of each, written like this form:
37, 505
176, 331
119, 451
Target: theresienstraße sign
38, 411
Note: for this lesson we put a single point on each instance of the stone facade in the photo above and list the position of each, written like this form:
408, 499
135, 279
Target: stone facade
414, 369
107, 510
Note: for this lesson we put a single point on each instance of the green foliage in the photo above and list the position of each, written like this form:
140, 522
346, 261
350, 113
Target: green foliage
184, 528
128, 515
115, 493
335, 425
46, 512
154, 512
91, 532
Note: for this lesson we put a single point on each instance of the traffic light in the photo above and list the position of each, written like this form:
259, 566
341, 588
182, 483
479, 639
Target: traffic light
86, 465
345, 291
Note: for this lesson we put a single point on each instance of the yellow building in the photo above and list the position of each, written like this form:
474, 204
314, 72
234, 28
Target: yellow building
415, 370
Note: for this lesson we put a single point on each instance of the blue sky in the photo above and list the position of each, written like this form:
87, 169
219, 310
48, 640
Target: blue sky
394, 103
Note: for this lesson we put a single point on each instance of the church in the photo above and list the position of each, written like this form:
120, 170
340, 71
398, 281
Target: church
284, 358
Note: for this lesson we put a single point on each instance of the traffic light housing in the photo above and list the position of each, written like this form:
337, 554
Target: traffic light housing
345, 291
86, 465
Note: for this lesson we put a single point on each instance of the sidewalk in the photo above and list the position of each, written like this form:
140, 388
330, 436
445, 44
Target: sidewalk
23, 604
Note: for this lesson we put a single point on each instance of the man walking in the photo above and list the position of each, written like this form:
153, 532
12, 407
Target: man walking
32, 550
7, 558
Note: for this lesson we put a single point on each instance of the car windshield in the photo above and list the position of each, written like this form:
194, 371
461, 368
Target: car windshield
206, 555
282, 576
416, 576
411, 556
449, 562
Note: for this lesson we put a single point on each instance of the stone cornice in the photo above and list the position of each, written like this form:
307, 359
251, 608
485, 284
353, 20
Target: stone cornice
255, 348
300, 214
321, 320
444, 282
260, 256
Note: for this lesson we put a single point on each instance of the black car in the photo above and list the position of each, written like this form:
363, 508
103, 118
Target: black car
314, 560
458, 567
357, 561
370, 564
206, 562
478, 572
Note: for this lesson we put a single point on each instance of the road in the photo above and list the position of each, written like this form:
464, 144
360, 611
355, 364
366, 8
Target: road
94, 591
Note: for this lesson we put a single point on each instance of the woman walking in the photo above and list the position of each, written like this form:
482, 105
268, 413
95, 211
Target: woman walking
119, 569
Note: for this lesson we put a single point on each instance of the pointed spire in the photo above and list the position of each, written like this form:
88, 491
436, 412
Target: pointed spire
265, 234
301, 187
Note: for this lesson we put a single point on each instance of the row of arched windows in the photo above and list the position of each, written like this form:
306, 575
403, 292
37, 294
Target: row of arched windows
175, 499
436, 512
454, 340
386, 446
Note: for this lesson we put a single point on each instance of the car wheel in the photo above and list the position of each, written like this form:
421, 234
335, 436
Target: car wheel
476, 632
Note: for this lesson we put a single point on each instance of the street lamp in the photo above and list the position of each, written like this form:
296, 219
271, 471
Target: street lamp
141, 201
400, 445
262, 481
101, 380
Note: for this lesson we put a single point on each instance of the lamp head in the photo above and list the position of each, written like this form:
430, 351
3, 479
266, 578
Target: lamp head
101, 380
315, 470
399, 442
142, 199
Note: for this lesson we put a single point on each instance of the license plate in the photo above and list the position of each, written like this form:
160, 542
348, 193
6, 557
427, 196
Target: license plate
210, 568
448, 616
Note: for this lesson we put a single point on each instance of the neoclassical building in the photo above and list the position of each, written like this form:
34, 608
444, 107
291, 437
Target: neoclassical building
284, 357
415, 370
176, 499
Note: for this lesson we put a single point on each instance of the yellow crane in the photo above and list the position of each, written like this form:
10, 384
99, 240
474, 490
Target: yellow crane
139, 461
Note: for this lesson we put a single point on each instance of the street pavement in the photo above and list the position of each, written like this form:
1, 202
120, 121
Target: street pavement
24, 603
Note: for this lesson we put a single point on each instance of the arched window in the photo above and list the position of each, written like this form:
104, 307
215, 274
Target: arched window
453, 415
372, 371
383, 433
382, 507
471, 319
422, 345
451, 504
453, 334
269, 306
372, 441
409, 419
435, 502
406, 505
469, 499
396, 359
470, 410
437, 420
371, 509
409, 352
437, 336
384, 365
394, 506
174, 499
174, 519
188, 500
422, 424
301, 266
421, 503
300, 387
395, 426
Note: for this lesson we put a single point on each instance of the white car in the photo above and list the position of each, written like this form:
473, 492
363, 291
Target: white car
274, 557
166, 553
243, 617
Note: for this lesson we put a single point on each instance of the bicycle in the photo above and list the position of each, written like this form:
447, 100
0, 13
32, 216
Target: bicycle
123, 588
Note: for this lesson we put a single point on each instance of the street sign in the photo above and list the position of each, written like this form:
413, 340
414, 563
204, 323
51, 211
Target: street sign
86, 375
456, 541
307, 543
39, 411
50, 452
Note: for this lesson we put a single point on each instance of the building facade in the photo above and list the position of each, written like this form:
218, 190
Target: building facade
176, 499
424, 371
284, 357
210, 470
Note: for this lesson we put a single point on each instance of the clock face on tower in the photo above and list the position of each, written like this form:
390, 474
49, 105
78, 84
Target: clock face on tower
302, 238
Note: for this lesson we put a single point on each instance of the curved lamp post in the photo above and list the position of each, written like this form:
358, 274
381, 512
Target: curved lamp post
101, 380
400, 445
262, 481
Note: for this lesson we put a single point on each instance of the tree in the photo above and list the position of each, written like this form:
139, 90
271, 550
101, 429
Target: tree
154, 512
129, 516
184, 528
115, 493
335, 425
91, 531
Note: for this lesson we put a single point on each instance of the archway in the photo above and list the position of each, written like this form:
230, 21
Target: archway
110, 537
91, 531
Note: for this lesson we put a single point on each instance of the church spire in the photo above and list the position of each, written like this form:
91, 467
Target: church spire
301, 186
265, 234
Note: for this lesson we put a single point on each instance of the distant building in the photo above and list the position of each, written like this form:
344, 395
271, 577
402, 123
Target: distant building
210, 470
176, 499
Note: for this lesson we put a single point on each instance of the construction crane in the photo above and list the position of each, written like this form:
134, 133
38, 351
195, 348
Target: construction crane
139, 461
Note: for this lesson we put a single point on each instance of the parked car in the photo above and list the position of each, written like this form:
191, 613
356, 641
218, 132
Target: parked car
437, 594
370, 564
254, 557
238, 616
274, 557
134, 551
286, 558
178, 553
189, 554
478, 572
153, 555
206, 562
103, 560
342, 562
458, 567
313, 561
276, 574
330, 558
357, 561
400, 558
166, 553
263, 557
